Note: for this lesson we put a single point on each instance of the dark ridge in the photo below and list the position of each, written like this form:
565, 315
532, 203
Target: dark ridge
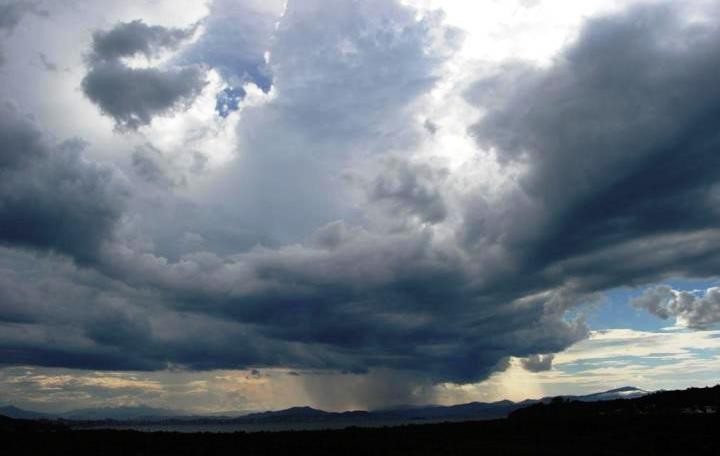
667, 422
692, 401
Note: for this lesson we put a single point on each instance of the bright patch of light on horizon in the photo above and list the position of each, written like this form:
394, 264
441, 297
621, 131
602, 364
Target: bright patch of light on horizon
515, 384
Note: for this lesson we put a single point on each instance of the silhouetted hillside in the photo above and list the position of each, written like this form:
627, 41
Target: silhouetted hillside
20, 426
669, 422
673, 403
15, 412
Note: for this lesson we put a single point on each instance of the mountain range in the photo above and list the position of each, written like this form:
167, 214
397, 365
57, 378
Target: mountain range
406, 413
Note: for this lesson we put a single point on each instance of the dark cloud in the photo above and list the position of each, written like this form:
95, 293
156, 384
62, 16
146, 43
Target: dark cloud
21, 141
47, 63
150, 164
355, 298
656, 301
411, 188
695, 311
133, 96
116, 327
68, 318
430, 126
12, 12
616, 143
538, 363
54, 314
50, 197
356, 302
620, 139
334, 234
130, 38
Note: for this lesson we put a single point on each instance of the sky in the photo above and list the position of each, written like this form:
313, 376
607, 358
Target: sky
232, 205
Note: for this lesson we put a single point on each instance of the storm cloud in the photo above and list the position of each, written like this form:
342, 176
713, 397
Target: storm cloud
330, 238
50, 197
620, 141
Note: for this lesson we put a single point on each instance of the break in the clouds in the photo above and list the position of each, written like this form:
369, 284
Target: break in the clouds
335, 189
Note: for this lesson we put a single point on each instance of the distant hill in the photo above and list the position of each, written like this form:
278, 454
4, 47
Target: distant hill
626, 392
15, 412
692, 401
421, 413
8, 424
472, 410
397, 414
127, 413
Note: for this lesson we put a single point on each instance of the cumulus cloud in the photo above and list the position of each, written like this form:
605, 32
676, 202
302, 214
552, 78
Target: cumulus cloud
345, 80
130, 38
656, 301
689, 308
133, 96
538, 363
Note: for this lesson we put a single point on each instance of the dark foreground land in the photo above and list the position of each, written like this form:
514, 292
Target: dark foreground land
677, 422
